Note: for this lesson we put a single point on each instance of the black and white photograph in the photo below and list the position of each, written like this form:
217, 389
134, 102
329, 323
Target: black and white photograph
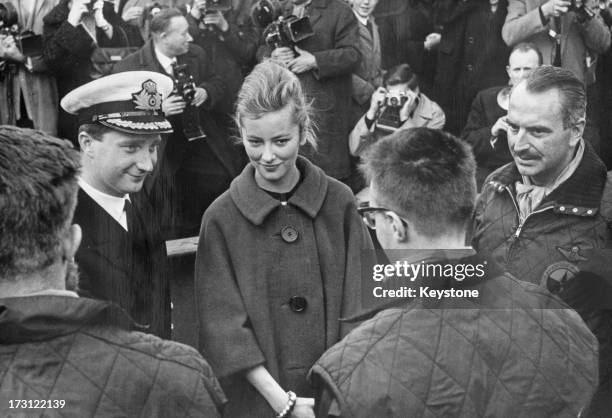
305, 208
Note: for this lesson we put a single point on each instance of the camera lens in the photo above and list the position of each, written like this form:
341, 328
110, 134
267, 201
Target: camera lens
393, 101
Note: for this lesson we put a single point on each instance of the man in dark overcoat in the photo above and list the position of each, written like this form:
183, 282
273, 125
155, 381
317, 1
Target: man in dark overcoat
193, 172
123, 257
324, 63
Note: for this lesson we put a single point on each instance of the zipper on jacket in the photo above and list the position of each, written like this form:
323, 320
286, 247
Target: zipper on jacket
521, 224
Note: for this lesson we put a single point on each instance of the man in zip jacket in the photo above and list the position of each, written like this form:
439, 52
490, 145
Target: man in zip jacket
546, 217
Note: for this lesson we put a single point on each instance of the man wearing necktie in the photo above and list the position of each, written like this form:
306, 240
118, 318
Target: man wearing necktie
547, 216
194, 169
122, 258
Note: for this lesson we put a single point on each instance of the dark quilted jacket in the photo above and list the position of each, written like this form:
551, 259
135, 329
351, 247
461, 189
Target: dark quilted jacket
511, 361
569, 232
64, 348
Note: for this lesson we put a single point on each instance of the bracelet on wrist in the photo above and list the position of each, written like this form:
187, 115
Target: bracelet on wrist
290, 405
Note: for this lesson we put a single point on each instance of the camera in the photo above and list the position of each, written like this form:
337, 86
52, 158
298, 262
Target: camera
186, 88
8, 19
389, 119
280, 31
184, 82
213, 6
396, 99
583, 13
28, 43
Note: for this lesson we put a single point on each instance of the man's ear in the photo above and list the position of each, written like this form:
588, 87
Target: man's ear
577, 131
86, 142
71, 241
401, 228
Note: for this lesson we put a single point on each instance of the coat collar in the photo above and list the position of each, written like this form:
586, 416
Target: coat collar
58, 14
38, 318
583, 189
317, 10
255, 204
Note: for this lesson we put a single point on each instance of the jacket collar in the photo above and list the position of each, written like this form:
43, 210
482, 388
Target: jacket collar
583, 189
39, 318
58, 14
255, 204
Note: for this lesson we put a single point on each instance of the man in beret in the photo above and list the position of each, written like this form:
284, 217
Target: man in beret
122, 258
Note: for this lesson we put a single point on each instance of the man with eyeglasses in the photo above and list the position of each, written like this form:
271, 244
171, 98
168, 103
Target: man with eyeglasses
547, 216
450, 356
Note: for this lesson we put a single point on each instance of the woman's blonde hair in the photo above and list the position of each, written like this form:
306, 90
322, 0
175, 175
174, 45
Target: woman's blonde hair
270, 88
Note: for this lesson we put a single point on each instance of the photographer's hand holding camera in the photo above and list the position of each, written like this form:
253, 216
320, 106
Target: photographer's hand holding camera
175, 104
9, 49
400, 105
208, 18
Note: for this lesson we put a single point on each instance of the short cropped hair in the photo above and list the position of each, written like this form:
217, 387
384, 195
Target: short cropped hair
38, 188
401, 74
95, 130
571, 91
526, 47
270, 88
426, 175
161, 20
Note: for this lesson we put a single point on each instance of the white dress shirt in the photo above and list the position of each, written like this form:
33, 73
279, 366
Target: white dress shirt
165, 61
114, 206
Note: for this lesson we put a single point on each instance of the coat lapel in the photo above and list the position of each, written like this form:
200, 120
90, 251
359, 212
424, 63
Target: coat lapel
101, 233
316, 11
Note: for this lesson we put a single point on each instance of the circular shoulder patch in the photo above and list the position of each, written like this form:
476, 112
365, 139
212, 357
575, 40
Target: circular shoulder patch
557, 275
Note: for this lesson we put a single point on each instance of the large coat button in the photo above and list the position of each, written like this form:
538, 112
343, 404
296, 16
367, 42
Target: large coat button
289, 234
298, 303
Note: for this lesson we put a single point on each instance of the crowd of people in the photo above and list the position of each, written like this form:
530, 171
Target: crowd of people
304, 142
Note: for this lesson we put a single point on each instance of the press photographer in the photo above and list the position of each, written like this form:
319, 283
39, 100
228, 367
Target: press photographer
198, 161
229, 40
324, 63
73, 30
28, 94
398, 105
567, 32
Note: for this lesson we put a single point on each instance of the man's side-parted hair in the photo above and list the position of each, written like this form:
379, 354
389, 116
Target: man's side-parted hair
38, 187
426, 175
571, 91
161, 21
270, 88
400, 74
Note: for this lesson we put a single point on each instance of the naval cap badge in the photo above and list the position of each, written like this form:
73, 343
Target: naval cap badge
147, 98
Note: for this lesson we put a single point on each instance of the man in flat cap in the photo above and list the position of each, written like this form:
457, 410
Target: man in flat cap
122, 257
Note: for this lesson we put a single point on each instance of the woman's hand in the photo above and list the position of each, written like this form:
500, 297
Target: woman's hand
304, 408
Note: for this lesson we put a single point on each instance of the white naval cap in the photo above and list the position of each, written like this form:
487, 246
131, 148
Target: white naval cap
128, 102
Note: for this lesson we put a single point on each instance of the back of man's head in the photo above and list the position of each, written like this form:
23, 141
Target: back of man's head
425, 175
38, 185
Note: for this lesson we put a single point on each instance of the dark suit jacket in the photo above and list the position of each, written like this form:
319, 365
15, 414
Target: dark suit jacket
483, 115
200, 67
127, 268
